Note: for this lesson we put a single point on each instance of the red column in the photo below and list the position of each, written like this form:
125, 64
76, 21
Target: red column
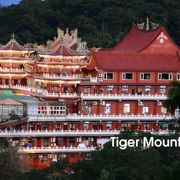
50, 88
10, 81
19, 82
3, 81
70, 108
60, 88
70, 89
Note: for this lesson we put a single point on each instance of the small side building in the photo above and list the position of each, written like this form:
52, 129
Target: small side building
10, 108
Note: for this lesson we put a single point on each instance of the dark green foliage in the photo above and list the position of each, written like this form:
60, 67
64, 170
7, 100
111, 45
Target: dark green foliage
102, 23
13, 116
173, 100
9, 161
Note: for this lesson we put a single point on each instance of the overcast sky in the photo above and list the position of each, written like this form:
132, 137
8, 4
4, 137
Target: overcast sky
9, 2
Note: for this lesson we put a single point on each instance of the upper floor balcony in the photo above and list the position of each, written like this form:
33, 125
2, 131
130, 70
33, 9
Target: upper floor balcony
123, 96
55, 149
70, 133
19, 87
120, 117
57, 95
58, 133
47, 76
12, 70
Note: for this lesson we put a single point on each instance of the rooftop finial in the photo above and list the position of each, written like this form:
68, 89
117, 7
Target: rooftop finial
147, 24
13, 36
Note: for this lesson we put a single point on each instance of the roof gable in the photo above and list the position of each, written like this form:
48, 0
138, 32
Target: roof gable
147, 41
9, 101
12, 45
61, 50
161, 44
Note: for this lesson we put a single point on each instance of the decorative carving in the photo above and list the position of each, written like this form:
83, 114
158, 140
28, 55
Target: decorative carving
162, 37
147, 25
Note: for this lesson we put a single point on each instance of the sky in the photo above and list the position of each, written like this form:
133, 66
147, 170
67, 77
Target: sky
9, 2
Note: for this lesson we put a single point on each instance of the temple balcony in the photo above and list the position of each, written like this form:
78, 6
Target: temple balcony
60, 77
59, 95
70, 133
20, 87
12, 70
55, 149
120, 117
123, 96
58, 133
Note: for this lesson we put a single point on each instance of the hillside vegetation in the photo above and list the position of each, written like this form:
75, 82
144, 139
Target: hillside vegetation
102, 23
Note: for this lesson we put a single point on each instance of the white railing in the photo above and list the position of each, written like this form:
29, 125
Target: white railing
63, 77
55, 149
93, 79
20, 87
58, 133
11, 70
123, 96
120, 117
59, 95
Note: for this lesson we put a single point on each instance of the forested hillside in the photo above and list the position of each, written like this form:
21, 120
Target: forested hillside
102, 23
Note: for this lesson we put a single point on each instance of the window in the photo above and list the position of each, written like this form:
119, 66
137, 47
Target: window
145, 109
88, 108
124, 89
127, 76
87, 89
72, 126
145, 76
86, 126
178, 76
45, 142
162, 89
146, 126
109, 89
126, 108
147, 88
107, 108
165, 76
109, 125
108, 76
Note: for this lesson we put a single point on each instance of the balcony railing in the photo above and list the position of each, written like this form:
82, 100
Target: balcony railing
61, 77
120, 117
15, 70
70, 133
20, 87
123, 96
55, 149
58, 133
59, 95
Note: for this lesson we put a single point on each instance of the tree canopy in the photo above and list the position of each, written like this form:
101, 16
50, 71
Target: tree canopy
173, 99
102, 23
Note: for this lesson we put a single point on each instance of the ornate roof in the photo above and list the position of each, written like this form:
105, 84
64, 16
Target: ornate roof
141, 50
61, 50
12, 45
136, 40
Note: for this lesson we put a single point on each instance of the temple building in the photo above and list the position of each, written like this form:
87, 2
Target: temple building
82, 97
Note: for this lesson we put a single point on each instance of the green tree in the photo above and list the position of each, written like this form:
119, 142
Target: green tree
9, 161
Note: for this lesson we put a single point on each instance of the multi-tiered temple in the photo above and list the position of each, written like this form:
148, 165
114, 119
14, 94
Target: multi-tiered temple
83, 98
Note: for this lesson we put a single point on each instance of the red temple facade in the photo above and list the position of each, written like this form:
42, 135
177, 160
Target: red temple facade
83, 98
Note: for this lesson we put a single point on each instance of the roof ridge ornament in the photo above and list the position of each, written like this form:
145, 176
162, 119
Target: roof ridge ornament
13, 36
148, 25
